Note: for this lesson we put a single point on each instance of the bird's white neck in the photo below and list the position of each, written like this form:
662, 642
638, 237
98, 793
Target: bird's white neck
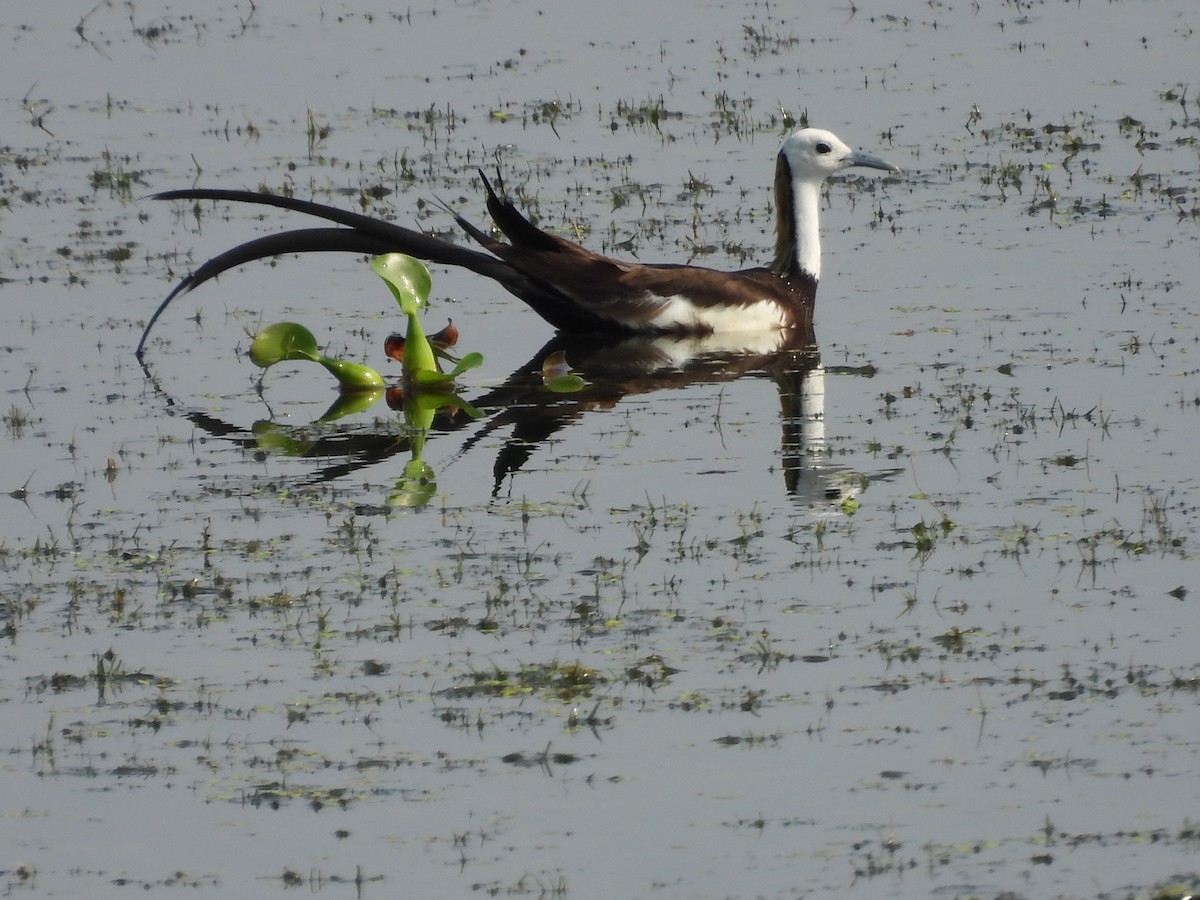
807, 236
797, 230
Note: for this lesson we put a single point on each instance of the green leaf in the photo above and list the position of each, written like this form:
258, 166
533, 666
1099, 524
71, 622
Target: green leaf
292, 341
424, 378
565, 384
466, 407
351, 402
470, 361
417, 487
421, 404
419, 358
283, 340
353, 377
419, 410
407, 278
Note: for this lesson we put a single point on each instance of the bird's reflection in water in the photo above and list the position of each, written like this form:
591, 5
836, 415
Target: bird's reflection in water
613, 367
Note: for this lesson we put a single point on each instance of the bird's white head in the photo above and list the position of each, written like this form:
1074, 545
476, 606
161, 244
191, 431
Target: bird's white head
814, 154
808, 156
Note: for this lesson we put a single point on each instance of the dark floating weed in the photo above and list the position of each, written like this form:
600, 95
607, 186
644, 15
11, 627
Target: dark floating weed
568, 682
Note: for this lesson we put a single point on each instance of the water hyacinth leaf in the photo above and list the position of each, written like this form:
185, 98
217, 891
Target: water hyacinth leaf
565, 384
419, 357
426, 378
419, 409
283, 341
416, 488
292, 341
430, 376
470, 361
557, 376
353, 377
472, 411
409, 281
350, 402
420, 405
407, 278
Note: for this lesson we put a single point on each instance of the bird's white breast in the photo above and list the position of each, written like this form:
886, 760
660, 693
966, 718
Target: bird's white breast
680, 313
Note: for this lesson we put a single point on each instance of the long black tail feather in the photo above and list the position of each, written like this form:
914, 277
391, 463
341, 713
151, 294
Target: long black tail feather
306, 240
414, 242
361, 234
512, 223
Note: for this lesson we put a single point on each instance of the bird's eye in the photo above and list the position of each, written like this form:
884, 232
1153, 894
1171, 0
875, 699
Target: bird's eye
823, 148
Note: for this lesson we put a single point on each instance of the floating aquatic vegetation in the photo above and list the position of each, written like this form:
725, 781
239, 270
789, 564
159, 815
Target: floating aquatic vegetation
425, 388
285, 341
409, 281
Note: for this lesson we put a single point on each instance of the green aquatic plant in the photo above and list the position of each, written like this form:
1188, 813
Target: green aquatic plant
292, 341
425, 388
557, 376
408, 280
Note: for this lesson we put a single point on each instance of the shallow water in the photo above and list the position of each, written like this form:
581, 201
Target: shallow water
692, 642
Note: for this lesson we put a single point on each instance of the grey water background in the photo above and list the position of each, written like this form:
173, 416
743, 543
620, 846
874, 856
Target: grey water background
641, 667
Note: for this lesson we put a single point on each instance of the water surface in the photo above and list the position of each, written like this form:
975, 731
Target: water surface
937, 641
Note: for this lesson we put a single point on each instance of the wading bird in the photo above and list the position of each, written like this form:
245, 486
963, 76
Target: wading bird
574, 289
